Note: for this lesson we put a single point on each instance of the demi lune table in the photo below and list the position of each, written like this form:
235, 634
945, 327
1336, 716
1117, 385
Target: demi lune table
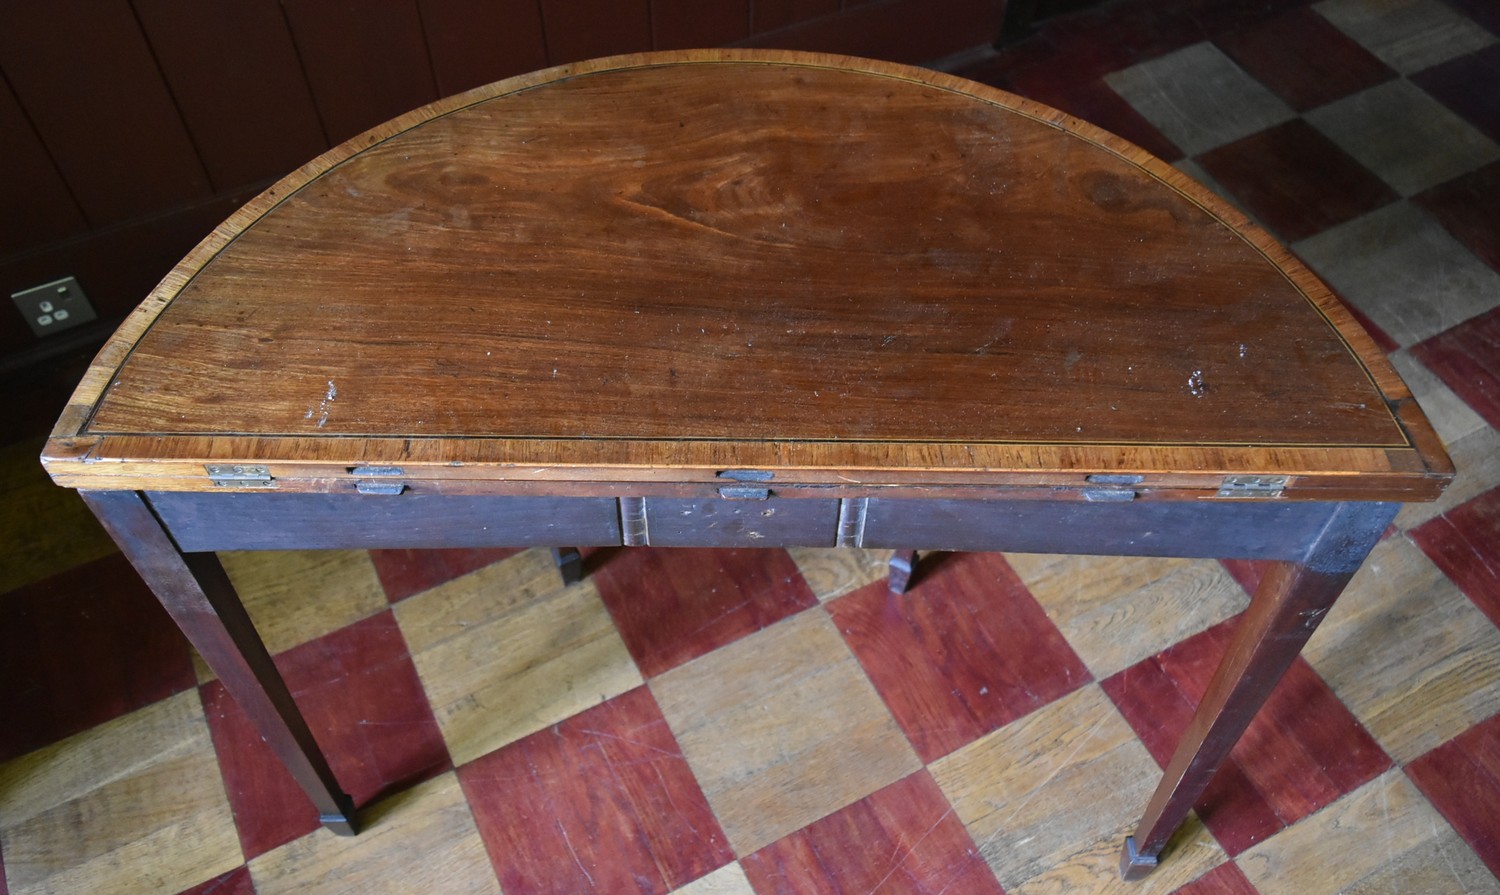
756, 299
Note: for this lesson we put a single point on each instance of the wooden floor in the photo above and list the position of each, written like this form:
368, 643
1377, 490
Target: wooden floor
775, 721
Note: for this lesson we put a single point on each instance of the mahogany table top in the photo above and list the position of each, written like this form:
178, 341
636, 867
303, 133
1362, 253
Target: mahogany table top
656, 267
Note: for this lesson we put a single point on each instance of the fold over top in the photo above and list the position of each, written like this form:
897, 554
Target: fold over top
814, 264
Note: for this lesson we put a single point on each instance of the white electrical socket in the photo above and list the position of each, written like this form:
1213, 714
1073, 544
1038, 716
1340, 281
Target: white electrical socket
55, 306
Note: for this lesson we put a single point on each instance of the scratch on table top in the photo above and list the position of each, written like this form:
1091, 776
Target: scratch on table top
321, 409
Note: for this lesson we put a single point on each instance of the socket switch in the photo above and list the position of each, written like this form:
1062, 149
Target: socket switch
54, 307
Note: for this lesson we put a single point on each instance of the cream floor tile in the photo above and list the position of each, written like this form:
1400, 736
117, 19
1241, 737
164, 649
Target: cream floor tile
1411, 656
1050, 798
1382, 838
1449, 414
135, 805
1473, 445
1407, 35
782, 728
297, 596
834, 571
1199, 98
1476, 457
727, 880
1403, 269
1404, 136
1194, 170
1115, 611
506, 651
420, 841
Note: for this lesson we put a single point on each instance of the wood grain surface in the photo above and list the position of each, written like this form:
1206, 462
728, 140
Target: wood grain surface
659, 266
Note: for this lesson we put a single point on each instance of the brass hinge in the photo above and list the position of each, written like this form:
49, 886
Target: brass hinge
240, 476
382, 476
1252, 486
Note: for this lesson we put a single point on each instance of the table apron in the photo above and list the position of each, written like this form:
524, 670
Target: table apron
1249, 529
1206, 529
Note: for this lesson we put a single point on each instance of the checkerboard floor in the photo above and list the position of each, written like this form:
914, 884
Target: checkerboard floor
736, 722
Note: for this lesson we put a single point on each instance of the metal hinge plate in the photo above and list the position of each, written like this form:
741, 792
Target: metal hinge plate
746, 475
1252, 486
240, 476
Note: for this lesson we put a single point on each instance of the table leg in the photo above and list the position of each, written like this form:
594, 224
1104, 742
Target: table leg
1292, 599
903, 563
196, 592
569, 564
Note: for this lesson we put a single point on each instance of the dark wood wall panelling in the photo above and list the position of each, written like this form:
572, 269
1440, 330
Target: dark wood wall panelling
38, 206
237, 78
363, 59
512, 40
90, 84
129, 128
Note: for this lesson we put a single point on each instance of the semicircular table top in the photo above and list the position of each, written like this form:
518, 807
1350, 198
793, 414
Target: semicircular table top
659, 265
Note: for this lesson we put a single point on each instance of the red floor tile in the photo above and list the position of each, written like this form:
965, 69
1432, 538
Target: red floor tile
405, 573
4, 889
1303, 750
1303, 58
361, 696
1485, 12
603, 802
1225, 879
1462, 780
1122, 35
1465, 543
1470, 86
1096, 103
1089, 44
1219, 17
1034, 61
963, 653
1466, 208
1296, 180
235, 882
80, 648
1247, 572
1382, 339
901, 840
673, 605
1467, 358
